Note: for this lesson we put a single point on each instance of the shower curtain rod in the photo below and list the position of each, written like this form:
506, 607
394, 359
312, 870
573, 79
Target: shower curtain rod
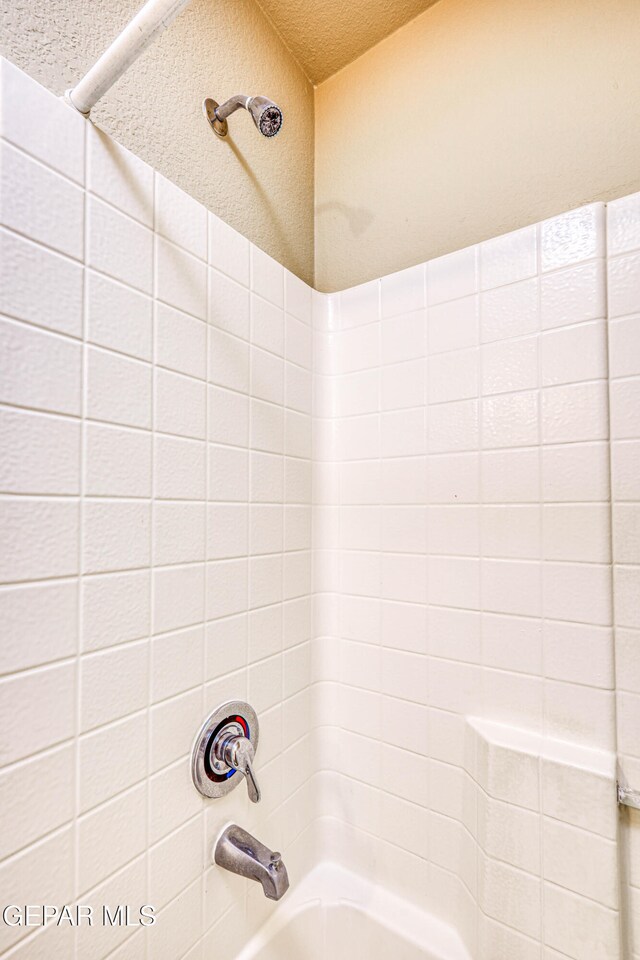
154, 17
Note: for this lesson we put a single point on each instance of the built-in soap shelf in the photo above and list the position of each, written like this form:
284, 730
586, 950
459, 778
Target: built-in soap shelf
544, 816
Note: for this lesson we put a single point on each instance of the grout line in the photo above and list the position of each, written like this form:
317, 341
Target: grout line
285, 432
152, 519
203, 686
543, 620
378, 462
81, 538
623, 825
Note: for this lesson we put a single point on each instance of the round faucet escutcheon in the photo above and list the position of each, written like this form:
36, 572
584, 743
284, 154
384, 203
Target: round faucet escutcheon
224, 751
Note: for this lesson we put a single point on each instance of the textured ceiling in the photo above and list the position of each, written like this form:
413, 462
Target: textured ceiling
326, 35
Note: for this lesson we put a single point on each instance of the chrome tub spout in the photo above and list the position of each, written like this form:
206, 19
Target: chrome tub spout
237, 851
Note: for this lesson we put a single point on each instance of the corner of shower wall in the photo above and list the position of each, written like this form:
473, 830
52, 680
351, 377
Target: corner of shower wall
325, 580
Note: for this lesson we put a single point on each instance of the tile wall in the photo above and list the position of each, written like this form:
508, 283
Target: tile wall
462, 535
155, 422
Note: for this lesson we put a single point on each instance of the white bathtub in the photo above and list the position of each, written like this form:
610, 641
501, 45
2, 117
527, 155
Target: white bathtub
336, 914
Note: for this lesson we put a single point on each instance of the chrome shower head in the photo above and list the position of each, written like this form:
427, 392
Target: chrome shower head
266, 115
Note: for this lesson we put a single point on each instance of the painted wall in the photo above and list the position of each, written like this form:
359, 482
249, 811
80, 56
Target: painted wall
263, 188
478, 117
155, 513
495, 115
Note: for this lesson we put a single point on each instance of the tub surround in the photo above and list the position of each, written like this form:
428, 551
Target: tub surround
155, 411
463, 557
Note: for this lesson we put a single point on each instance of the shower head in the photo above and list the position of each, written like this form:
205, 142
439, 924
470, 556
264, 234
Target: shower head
266, 115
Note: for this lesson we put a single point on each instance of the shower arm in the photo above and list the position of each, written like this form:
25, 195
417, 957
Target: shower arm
154, 17
266, 114
231, 105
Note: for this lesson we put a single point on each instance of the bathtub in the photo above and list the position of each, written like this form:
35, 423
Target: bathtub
334, 913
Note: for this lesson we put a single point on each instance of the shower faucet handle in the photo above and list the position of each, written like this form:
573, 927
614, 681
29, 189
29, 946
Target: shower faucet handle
226, 745
237, 752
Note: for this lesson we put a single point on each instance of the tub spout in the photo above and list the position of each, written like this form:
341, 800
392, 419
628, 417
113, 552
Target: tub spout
237, 851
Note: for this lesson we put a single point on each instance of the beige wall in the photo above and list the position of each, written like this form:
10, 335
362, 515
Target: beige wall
477, 117
215, 48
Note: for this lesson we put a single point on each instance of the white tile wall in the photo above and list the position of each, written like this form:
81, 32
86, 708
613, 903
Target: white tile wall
489, 590
140, 376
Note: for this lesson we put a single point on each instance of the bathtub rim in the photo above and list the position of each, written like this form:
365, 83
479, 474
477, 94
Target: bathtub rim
330, 884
